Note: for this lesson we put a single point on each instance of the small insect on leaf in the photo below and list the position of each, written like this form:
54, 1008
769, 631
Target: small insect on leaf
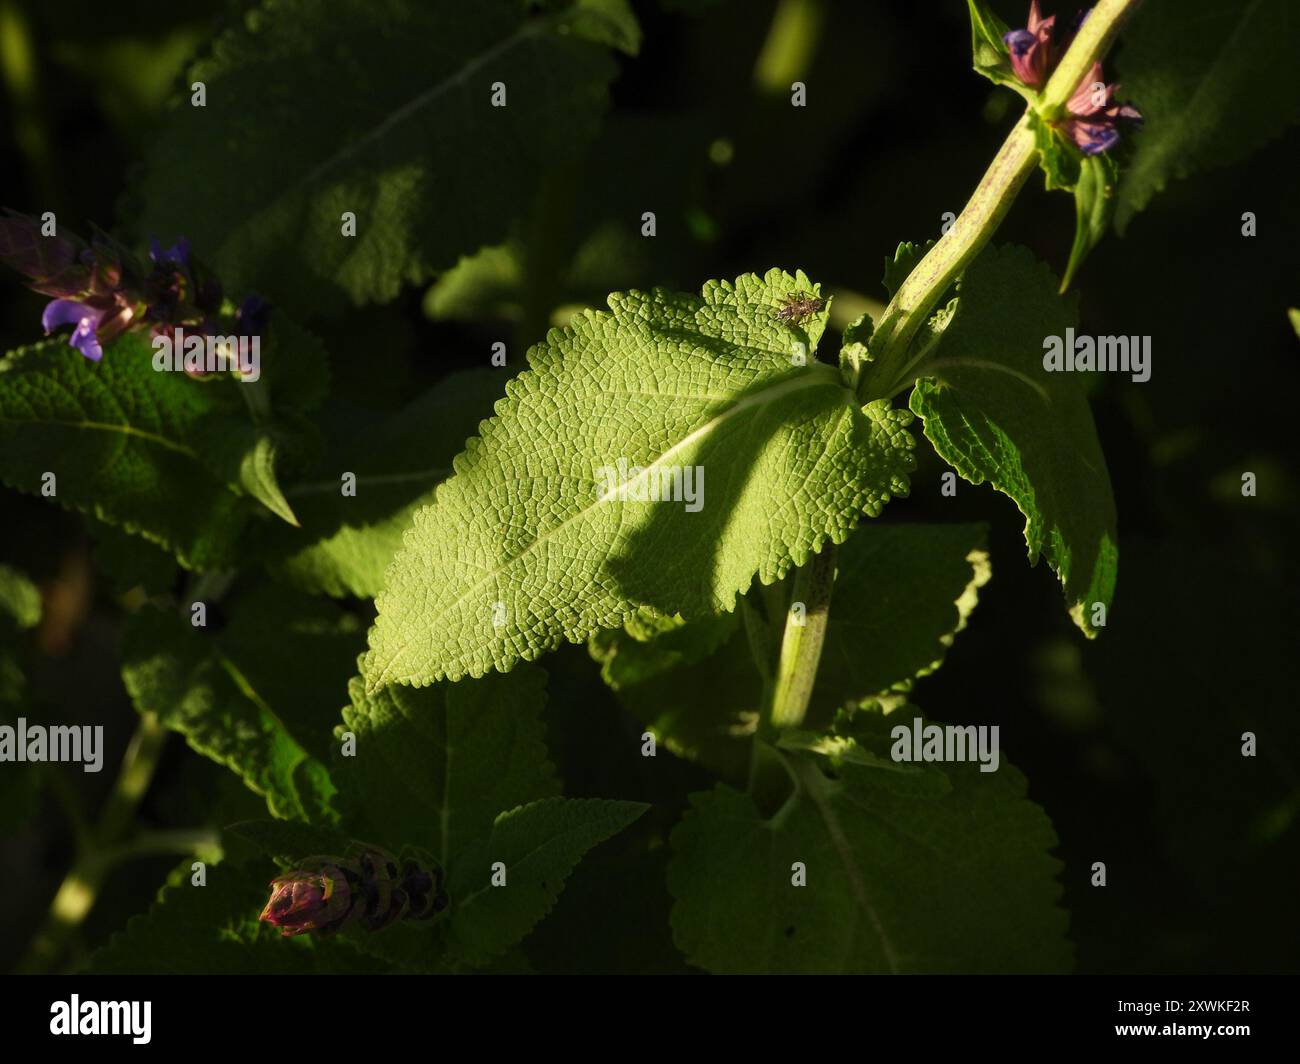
798, 306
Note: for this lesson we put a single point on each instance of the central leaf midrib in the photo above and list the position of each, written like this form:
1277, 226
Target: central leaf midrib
107, 426
762, 397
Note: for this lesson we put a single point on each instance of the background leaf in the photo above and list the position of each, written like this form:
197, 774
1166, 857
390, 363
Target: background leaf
380, 108
1213, 81
995, 414
902, 592
124, 442
256, 696
900, 878
347, 542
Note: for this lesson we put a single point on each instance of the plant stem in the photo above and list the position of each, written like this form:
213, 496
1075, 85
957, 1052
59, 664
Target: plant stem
76, 895
203, 843
801, 646
138, 766
916, 297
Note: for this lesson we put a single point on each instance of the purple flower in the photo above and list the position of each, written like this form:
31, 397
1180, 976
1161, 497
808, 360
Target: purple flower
1095, 114
91, 323
1032, 50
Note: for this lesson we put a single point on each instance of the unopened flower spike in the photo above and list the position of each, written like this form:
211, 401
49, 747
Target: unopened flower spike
101, 289
1032, 49
371, 888
1095, 114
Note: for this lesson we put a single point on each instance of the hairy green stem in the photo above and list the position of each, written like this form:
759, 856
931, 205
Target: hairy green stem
934, 274
801, 646
916, 297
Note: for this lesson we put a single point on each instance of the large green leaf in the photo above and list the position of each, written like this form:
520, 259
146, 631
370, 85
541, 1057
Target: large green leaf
528, 545
257, 696
1214, 82
347, 542
378, 107
435, 766
124, 442
901, 876
158, 453
995, 414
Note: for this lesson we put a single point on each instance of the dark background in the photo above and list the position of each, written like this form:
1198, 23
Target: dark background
1132, 742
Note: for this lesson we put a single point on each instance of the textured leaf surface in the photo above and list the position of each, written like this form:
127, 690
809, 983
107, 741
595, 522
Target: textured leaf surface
257, 696
435, 766
900, 877
131, 561
289, 841
539, 845
1214, 82
123, 441
527, 545
378, 107
347, 542
995, 414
